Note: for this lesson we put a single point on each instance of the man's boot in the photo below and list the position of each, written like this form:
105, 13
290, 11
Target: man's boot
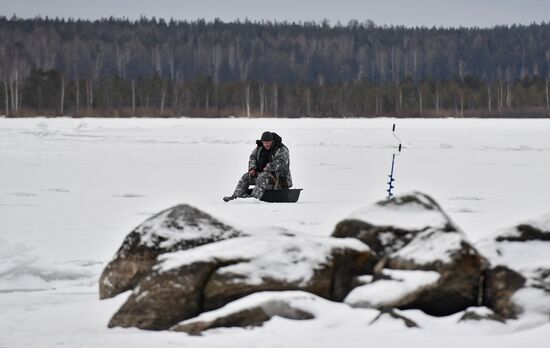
229, 198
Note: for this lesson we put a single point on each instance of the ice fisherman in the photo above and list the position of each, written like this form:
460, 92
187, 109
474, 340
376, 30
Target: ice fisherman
268, 167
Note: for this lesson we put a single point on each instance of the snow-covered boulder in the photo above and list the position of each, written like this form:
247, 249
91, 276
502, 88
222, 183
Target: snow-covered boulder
520, 281
252, 310
185, 283
531, 230
177, 228
389, 225
524, 248
412, 232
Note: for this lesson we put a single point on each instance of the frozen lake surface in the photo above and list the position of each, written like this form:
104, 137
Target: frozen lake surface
71, 189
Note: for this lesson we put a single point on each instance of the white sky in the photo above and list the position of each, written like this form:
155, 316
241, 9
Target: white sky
406, 12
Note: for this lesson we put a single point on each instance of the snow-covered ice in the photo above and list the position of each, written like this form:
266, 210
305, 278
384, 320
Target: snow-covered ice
71, 189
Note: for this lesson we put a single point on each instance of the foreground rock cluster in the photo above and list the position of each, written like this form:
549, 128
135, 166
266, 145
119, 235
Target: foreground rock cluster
189, 272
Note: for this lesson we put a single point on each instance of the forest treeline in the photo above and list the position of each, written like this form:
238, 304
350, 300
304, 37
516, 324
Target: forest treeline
153, 67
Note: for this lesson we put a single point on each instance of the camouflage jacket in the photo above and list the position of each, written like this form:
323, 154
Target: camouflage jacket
280, 161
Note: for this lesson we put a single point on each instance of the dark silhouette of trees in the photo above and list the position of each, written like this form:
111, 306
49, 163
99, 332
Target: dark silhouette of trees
153, 67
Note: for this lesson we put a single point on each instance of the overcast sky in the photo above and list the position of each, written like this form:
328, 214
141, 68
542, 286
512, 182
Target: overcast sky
446, 13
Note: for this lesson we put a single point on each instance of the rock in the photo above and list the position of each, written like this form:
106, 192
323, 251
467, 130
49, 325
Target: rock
500, 283
381, 239
520, 284
178, 228
330, 278
457, 261
186, 283
389, 225
164, 298
412, 232
252, 310
191, 273
527, 231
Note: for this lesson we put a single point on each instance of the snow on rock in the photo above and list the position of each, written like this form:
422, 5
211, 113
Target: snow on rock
412, 232
182, 227
289, 258
414, 211
535, 229
303, 308
395, 289
480, 313
177, 228
534, 303
431, 246
520, 282
524, 247
186, 282
253, 310
257, 309
388, 226
321, 265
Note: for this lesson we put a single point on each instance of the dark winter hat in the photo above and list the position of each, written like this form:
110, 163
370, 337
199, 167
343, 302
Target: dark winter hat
267, 136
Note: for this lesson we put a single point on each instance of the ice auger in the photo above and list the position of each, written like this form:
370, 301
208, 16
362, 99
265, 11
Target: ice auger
390, 182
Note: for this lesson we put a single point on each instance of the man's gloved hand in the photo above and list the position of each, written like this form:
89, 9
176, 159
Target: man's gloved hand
252, 172
266, 169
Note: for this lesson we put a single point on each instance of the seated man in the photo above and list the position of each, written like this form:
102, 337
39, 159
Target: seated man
269, 166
